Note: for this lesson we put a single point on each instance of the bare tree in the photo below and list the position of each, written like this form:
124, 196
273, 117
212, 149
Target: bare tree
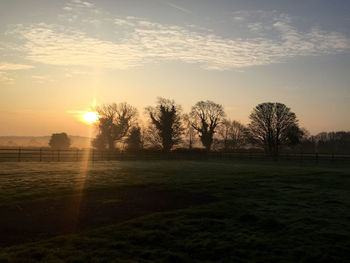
115, 121
232, 134
238, 135
206, 115
165, 117
190, 132
224, 131
151, 138
272, 125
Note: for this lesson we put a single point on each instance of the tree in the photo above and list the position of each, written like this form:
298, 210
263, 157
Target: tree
238, 135
206, 115
59, 141
294, 136
333, 142
100, 142
190, 132
224, 131
151, 138
133, 141
273, 125
115, 121
232, 134
165, 117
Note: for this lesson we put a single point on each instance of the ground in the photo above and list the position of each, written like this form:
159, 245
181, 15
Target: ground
174, 211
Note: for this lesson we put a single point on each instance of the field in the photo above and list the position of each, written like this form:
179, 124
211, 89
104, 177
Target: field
174, 211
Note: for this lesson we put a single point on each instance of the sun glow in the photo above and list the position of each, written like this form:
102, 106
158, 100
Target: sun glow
90, 117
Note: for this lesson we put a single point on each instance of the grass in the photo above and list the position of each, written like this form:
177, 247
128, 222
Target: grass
258, 212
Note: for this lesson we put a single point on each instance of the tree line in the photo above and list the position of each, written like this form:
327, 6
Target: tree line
272, 126
326, 142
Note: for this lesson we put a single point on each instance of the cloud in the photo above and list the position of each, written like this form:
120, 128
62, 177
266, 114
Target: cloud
4, 66
67, 8
146, 41
42, 78
123, 22
177, 7
256, 27
80, 3
4, 77
82, 12
76, 6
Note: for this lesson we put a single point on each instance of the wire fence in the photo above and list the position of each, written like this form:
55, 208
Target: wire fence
76, 155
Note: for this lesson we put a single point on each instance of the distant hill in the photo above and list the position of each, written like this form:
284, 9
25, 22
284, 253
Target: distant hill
40, 141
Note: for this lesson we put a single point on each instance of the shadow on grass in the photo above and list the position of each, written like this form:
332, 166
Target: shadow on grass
41, 219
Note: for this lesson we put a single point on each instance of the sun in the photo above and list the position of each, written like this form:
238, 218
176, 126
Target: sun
90, 117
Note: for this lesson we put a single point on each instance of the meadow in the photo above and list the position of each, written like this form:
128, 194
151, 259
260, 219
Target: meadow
174, 211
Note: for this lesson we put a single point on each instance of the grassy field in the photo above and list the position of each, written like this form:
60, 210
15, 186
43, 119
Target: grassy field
174, 211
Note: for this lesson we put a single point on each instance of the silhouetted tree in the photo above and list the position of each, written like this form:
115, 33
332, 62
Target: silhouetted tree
133, 141
190, 132
273, 125
165, 117
238, 135
294, 136
332, 142
100, 142
115, 121
205, 116
232, 134
224, 131
152, 139
59, 141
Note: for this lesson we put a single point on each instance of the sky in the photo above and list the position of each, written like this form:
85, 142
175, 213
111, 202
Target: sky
60, 58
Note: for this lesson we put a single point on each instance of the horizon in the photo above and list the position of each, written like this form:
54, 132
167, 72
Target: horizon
58, 59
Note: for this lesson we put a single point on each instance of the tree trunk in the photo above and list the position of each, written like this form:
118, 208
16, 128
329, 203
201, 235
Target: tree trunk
111, 144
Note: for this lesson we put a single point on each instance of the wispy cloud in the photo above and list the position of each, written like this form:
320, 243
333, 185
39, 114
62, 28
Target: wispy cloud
79, 4
177, 7
4, 66
77, 10
123, 22
67, 8
42, 78
4, 77
146, 41
255, 27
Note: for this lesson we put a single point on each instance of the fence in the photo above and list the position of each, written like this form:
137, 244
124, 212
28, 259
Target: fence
48, 155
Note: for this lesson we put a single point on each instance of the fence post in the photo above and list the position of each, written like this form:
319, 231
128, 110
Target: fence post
93, 155
316, 157
77, 155
40, 153
58, 155
19, 154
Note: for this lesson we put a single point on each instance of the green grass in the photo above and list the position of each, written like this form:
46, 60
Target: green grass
263, 212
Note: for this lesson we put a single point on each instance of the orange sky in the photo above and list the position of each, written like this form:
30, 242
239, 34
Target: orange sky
67, 56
